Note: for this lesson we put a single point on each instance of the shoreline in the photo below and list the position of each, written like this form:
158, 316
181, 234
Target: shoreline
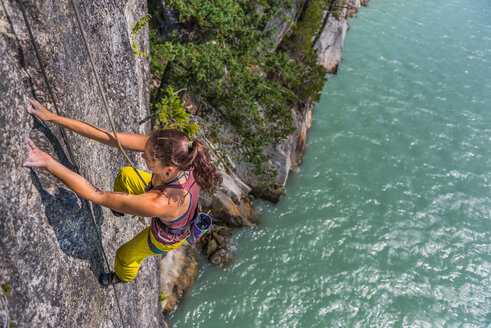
232, 213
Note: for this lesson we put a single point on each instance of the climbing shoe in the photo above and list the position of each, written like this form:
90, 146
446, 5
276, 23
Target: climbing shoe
116, 213
111, 278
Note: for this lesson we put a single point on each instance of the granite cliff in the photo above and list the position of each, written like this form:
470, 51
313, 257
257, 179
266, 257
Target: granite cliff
51, 256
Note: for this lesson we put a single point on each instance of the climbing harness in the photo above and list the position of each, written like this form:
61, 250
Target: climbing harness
198, 223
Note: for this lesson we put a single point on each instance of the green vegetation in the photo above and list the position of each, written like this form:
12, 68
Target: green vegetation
6, 289
163, 297
172, 115
300, 45
222, 56
134, 31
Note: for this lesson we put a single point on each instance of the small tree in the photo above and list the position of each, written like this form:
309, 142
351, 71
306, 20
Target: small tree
172, 115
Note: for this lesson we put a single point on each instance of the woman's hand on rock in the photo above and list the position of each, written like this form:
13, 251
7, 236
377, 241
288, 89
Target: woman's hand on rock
37, 158
35, 108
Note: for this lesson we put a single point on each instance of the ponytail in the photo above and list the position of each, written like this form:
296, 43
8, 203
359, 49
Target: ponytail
204, 171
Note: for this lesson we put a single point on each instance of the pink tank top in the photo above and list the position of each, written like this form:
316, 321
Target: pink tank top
192, 187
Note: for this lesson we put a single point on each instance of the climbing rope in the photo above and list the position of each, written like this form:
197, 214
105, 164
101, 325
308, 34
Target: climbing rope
101, 90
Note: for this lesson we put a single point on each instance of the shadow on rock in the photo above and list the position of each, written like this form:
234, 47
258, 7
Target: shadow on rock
53, 140
70, 217
68, 214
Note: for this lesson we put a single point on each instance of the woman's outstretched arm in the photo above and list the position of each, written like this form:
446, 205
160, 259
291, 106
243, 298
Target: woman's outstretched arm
130, 141
147, 204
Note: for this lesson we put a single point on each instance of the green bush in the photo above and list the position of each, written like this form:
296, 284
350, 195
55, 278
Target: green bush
170, 114
140, 23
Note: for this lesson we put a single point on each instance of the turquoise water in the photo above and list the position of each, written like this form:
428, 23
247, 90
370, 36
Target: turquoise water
387, 221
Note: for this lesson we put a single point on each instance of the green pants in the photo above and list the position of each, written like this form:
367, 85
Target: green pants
130, 256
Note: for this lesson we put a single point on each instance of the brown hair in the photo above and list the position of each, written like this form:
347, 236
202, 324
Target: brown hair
172, 147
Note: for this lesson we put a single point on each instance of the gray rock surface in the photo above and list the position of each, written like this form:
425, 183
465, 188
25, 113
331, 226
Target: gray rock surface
280, 24
330, 43
179, 269
284, 156
51, 256
4, 310
167, 19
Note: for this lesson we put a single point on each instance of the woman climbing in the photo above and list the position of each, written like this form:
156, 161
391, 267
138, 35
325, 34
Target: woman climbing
180, 167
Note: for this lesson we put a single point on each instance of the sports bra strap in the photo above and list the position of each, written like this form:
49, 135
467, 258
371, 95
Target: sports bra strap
170, 184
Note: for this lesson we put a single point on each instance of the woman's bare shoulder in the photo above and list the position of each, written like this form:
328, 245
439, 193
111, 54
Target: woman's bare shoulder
171, 196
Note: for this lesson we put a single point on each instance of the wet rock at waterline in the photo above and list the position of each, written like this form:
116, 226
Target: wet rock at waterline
179, 269
217, 246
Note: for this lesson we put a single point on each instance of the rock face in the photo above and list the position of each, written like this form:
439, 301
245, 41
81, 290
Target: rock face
217, 246
281, 23
51, 255
167, 19
178, 271
330, 43
4, 310
284, 156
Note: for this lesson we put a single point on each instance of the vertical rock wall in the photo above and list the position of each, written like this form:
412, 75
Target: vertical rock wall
330, 43
50, 253
281, 23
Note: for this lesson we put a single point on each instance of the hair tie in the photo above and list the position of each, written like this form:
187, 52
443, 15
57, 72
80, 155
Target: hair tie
190, 144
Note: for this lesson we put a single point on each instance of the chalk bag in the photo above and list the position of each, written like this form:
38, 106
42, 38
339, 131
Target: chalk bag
201, 224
